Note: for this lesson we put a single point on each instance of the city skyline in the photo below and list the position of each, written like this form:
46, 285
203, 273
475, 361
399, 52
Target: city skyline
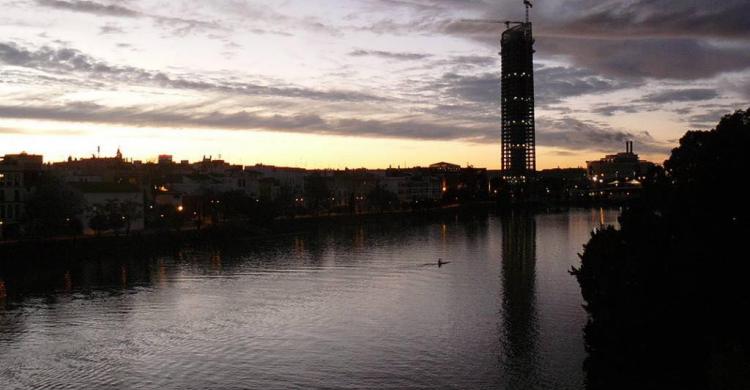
369, 83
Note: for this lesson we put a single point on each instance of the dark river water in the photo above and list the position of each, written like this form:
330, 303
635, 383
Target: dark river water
356, 306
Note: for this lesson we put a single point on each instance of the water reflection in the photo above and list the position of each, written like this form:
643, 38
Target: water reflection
359, 306
519, 315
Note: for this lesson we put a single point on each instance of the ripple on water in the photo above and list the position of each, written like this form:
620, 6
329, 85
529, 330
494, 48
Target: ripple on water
363, 307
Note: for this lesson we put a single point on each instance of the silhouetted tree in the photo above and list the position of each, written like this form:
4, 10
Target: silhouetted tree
131, 211
382, 199
99, 222
105, 217
317, 193
667, 293
53, 208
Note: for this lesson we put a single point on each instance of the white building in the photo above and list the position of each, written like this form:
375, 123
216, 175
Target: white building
128, 198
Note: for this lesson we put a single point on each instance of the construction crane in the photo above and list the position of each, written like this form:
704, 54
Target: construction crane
528, 5
507, 23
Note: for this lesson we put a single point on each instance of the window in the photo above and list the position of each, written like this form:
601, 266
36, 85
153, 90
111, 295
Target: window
2, 195
17, 196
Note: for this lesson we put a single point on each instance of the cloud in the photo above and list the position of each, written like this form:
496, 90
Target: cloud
482, 88
186, 117
482, 61
555, 83
183, 26
11, 131
110, 28
179, 26
552, 85
576, 134
611, 109
71, 61
677, 59
625, 38
568, 133
708, 119
400, 56
656, 18
91, 8
681, 95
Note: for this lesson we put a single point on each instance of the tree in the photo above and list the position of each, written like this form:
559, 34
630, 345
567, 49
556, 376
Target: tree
53, 208
131, 211
666, 293
99, 222
382, 199
316, 191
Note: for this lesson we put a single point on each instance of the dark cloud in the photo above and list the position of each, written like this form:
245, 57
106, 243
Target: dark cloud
482, 88
575, 134
567, 133
619, 19
262, 31
653, 101
401, 56
555, 83
111, 29
178, 26
91, 8
684, 59
552, 85
708, 119
626, 38
183, 26
681, 95
464, 62
655, 18
71, 61
482, 61
744, 89
180, 117
611, 109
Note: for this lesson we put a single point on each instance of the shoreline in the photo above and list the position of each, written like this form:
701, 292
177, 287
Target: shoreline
229, 230
236, 230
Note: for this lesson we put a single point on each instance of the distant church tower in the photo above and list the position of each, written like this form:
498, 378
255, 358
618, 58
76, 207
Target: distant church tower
518, 135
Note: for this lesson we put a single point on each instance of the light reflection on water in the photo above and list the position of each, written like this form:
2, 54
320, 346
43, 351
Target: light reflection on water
351, 307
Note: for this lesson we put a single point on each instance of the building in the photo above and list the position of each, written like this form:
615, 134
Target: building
518, 144
445, 167
620, 176
97, 169
619, 167
17, 175
165, 159
121, 199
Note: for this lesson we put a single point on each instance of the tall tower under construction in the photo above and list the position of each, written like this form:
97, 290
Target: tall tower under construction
518, 135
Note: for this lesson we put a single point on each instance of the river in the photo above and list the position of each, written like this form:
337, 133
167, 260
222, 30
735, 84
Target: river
356, 306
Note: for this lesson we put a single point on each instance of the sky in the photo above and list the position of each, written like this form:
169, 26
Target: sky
361, 83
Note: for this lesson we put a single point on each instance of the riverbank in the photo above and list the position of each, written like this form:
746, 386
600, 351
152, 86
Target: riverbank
149, 240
